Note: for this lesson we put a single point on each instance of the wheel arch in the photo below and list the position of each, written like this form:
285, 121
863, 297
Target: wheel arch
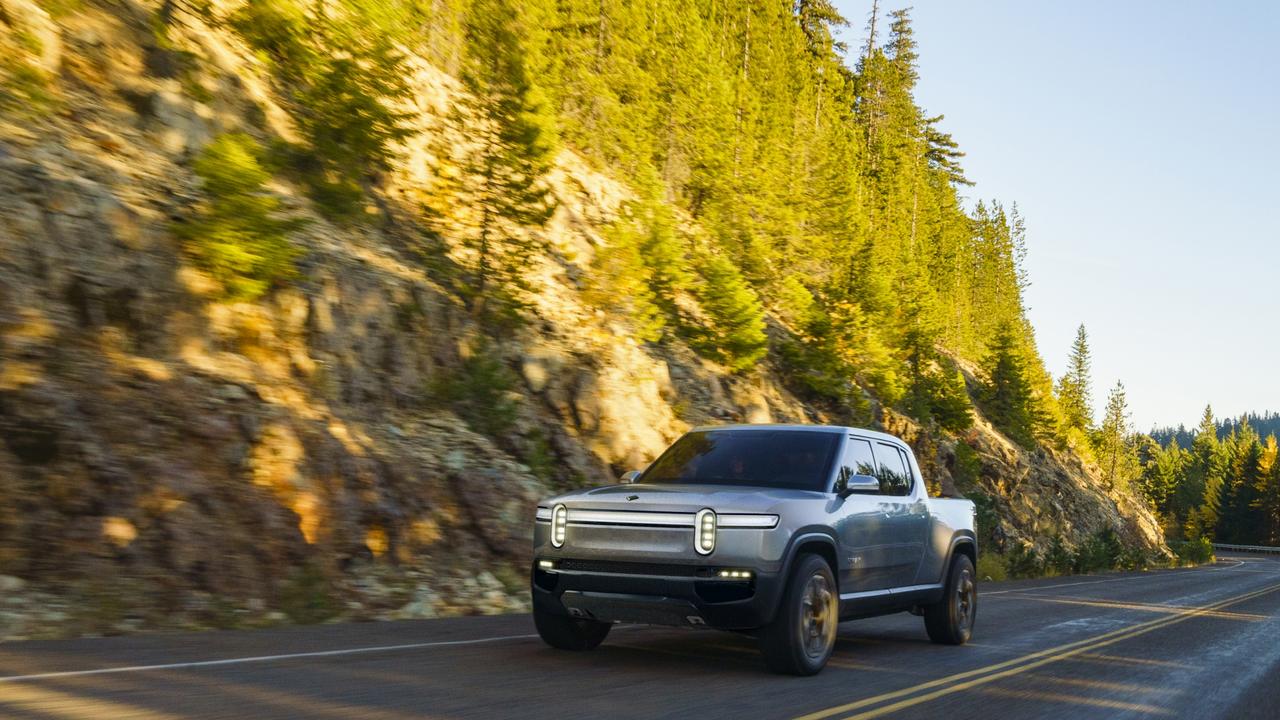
964, 544
817, 542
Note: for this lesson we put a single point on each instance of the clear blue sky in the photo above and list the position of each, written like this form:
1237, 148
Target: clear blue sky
1141, 140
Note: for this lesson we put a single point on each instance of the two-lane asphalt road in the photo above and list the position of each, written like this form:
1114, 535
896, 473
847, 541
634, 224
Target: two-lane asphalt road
1197, 643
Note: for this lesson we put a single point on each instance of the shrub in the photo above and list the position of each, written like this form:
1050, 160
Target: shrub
1024, 563
795, 302
537, 453
623, 281
1059, 560
27, 89
306, 596
1134, 558
1101, 551
992, 567
968, 467
480, 392
949, 402
814, 373
236, 234
1194, 552
986, 518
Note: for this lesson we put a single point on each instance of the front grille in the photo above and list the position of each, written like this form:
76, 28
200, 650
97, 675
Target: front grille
629, 568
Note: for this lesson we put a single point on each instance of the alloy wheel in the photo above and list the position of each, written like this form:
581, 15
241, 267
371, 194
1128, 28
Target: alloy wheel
818, 620
966, 600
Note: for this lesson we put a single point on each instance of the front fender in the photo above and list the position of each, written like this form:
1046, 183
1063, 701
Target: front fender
817, 534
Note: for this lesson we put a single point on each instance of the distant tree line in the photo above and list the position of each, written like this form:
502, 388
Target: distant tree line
1265, 423
1224, 488
1220, 482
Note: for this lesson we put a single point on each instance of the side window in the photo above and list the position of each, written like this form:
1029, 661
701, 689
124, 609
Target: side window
911, 475
858, 459
895, 479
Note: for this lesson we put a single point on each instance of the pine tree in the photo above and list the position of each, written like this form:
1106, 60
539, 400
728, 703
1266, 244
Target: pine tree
621, 280
1162, 470
734, 331
1113, 443
498, 190
1074, 387
1240, 520
348, 86
818, 20
1007, 397
665, 255
1268, 502
1202, 492
642, 268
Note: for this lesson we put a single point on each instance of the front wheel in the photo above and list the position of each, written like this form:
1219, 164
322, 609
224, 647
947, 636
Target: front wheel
802, 635
950, 620
566, 633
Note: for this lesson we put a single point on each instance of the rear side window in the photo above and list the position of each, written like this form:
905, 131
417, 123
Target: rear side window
895, 478
858, 459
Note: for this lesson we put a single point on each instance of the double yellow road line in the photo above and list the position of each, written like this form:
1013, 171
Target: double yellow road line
896, 700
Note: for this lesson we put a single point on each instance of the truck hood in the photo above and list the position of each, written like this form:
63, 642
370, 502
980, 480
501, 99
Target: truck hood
643, 497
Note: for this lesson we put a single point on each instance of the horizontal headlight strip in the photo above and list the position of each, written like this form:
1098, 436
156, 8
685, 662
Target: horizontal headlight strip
631, 517
747, 521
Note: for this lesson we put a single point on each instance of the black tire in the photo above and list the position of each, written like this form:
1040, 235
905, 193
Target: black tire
566, 633
950, 620
803, 633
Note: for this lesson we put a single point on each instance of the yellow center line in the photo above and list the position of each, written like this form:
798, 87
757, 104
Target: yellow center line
1014, 666
1101, 643
1140, 607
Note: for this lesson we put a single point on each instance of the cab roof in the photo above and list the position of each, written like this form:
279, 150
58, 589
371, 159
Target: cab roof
837, 429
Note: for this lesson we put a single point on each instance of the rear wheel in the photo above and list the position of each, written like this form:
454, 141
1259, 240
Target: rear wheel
568, 633
802, 635
950, 620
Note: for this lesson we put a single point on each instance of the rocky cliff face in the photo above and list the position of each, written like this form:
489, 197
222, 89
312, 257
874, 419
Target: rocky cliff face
168, 459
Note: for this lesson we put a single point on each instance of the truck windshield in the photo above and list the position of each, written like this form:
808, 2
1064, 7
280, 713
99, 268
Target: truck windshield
790, 459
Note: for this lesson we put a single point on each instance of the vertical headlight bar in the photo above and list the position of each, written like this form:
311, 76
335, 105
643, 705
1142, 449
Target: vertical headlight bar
704, 531
559, 523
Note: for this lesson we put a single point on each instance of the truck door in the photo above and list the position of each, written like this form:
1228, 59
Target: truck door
905, 526
862, 524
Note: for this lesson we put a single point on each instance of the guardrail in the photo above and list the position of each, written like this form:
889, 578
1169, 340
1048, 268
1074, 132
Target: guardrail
1248, 548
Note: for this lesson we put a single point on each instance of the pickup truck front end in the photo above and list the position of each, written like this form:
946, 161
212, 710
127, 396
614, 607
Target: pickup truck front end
699, 567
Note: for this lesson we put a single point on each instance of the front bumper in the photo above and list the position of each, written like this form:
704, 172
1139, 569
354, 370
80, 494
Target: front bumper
658, 594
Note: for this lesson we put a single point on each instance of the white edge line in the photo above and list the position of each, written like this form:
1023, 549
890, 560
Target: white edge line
256, 659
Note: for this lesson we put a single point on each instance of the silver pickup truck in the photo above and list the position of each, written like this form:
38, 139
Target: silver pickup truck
779, 530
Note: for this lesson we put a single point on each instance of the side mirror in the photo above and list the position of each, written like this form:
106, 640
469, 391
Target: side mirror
847, 485
630, 476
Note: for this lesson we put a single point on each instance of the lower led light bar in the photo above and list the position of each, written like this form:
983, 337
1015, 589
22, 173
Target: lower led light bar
734, 574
